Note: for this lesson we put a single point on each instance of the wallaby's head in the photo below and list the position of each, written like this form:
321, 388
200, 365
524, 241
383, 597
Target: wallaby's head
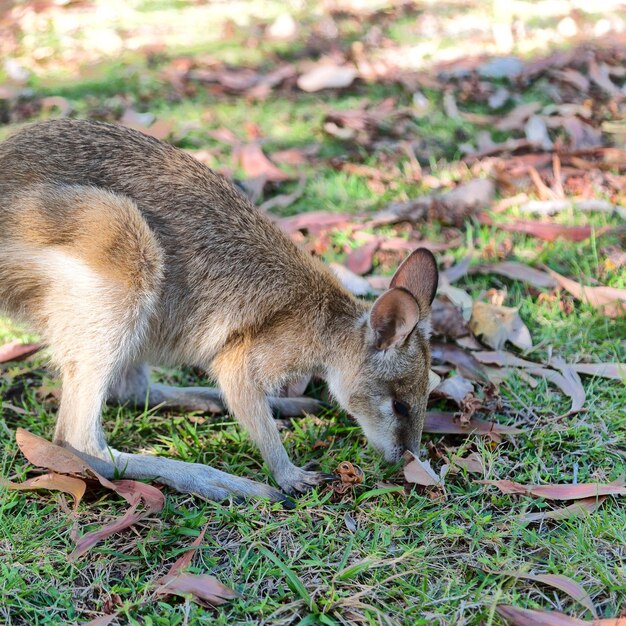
383, 379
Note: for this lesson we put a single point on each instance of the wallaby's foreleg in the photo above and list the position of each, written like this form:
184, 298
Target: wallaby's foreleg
135, 387
251, 407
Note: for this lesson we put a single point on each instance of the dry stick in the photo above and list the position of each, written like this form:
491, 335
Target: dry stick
545, 193
558, 183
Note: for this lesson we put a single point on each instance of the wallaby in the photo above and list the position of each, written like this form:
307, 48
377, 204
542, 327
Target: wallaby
123, 251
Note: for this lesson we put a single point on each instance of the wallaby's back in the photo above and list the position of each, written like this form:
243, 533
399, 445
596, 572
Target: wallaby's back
210, 235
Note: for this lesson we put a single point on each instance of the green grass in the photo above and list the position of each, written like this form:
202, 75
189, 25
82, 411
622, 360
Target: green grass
410, 560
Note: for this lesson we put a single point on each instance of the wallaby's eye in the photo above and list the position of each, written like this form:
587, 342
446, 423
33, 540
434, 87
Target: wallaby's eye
401, 409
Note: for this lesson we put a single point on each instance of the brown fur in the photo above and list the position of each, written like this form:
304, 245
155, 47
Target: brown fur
122, 250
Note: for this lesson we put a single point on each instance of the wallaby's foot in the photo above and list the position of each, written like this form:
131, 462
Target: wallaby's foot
210, 400
294, 480
296, 407
195, 478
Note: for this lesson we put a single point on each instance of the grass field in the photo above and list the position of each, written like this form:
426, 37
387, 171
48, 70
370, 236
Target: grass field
377, 557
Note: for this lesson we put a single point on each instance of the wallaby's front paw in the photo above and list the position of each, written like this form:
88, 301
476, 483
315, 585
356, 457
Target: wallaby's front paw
299, 480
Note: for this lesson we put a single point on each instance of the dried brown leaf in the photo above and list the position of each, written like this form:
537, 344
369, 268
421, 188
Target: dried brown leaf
42, 453
561, 582
441, 423
599, 74
567, 381
61, 460
17, 351
610, 300
502, 359
463, 360
134, 493
361, 259
530, 617
89, 540
454, 273
519, 271
203, 588
616, 371
285, 200
455, 388
447, 319
314, 222
548, 231
473, 463
185, 559
349, 474
454, 206
580, 508
255, 164
558, 492
419, 472
573, 77
103, 620
517, 117
55, 482
459, 297
144, 123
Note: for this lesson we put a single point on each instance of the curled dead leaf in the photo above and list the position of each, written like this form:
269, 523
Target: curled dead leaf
350, 475
498, 324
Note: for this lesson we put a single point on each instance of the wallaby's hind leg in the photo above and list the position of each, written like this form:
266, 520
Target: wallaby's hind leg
79, 428
135, 387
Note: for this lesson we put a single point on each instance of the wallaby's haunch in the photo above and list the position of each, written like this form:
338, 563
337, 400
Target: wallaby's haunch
122, 251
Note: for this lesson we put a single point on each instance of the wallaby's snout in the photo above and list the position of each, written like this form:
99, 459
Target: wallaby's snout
384, 380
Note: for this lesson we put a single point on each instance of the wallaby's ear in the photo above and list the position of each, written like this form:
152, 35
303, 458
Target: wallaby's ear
418, 274
392, 318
